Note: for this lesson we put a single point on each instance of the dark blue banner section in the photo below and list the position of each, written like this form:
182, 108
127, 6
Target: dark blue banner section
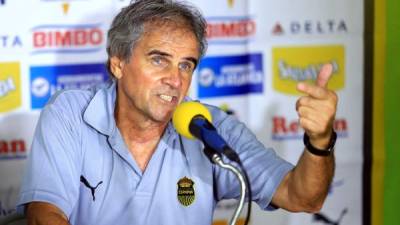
230, 75
46, 80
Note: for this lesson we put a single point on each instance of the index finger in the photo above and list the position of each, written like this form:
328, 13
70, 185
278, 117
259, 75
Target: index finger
324, 75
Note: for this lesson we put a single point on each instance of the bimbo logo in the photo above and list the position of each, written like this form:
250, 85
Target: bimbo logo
308, 27
230, 30
12, 149
283, 129
67, 38
294, 64
230, 75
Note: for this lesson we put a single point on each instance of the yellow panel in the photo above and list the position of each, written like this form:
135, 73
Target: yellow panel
10, 86
294, 64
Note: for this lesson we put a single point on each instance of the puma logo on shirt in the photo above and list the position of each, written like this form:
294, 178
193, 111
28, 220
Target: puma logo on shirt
92, 189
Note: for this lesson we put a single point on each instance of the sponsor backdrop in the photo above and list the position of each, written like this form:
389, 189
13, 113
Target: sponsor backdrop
258, 51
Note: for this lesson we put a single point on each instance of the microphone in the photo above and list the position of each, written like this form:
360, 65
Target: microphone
193, 120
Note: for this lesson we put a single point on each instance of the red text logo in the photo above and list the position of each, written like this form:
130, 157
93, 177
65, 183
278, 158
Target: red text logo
12, 149
230, 30
65, 39
283, 129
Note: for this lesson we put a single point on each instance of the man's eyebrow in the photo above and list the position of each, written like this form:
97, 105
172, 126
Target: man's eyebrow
193, 60
158, 52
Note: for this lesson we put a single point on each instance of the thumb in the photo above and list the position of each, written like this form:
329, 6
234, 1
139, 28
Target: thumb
324, 75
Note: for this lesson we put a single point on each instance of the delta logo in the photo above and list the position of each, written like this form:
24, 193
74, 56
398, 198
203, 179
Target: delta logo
12, 149
284, 129
230, 30
10, 41
81, 38
302, 64
46, 80
10, 86
310, 27
230, 75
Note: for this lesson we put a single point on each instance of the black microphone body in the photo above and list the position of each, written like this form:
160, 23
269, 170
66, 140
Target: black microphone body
203, 130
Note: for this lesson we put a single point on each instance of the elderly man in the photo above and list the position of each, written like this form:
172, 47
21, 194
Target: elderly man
109, 155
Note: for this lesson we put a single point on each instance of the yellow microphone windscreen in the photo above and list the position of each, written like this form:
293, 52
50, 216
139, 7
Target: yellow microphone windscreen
184, 113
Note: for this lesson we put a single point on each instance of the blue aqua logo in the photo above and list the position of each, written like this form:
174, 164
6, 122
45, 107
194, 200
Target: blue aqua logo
46, 80
230, 75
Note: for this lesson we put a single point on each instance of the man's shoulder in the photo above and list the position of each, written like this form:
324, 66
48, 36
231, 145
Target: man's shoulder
72, 103
74, 98
70, 99
218, 114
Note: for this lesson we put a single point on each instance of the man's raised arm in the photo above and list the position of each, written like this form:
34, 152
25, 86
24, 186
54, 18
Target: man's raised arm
306, 186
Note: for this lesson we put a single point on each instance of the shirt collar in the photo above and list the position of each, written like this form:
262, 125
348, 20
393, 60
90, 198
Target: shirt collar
100, 112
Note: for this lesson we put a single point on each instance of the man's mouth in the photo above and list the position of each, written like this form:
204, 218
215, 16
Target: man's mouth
167, 98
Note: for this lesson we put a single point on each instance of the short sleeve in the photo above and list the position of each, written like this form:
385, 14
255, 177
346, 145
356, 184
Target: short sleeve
264, 167
52, 171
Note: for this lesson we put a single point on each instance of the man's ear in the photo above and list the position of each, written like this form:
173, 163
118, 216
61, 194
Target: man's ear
116, 65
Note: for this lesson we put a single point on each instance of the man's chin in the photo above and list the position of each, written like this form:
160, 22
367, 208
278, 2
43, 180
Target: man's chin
163, 118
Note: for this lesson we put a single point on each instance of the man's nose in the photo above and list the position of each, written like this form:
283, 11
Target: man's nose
173, 78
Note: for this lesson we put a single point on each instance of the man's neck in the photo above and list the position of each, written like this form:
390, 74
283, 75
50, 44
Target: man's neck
141, 135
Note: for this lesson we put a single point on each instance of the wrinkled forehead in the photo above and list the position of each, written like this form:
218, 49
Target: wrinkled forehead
167, 28
177, 24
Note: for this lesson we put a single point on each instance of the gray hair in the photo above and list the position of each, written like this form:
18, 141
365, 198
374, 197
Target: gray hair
128, 26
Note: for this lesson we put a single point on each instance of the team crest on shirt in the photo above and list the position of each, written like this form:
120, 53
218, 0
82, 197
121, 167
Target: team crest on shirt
186, 194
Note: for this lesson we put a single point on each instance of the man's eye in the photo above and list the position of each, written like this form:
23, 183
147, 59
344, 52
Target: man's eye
157, 60
186, 67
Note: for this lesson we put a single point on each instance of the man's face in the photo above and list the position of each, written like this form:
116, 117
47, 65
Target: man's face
159, 72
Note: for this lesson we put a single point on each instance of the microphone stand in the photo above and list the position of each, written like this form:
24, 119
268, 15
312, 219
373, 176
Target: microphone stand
216, 159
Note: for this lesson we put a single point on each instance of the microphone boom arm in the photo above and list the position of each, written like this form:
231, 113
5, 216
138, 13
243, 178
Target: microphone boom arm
216, 158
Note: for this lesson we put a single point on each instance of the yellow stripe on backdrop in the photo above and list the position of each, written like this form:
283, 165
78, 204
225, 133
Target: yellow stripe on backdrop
378, 146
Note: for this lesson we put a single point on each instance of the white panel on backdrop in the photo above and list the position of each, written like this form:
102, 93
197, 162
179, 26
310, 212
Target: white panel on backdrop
344, 202
222, 8
309, 18
335, 30
69, 31
16, 132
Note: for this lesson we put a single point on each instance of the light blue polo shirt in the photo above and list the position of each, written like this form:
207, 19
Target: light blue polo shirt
80, 163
